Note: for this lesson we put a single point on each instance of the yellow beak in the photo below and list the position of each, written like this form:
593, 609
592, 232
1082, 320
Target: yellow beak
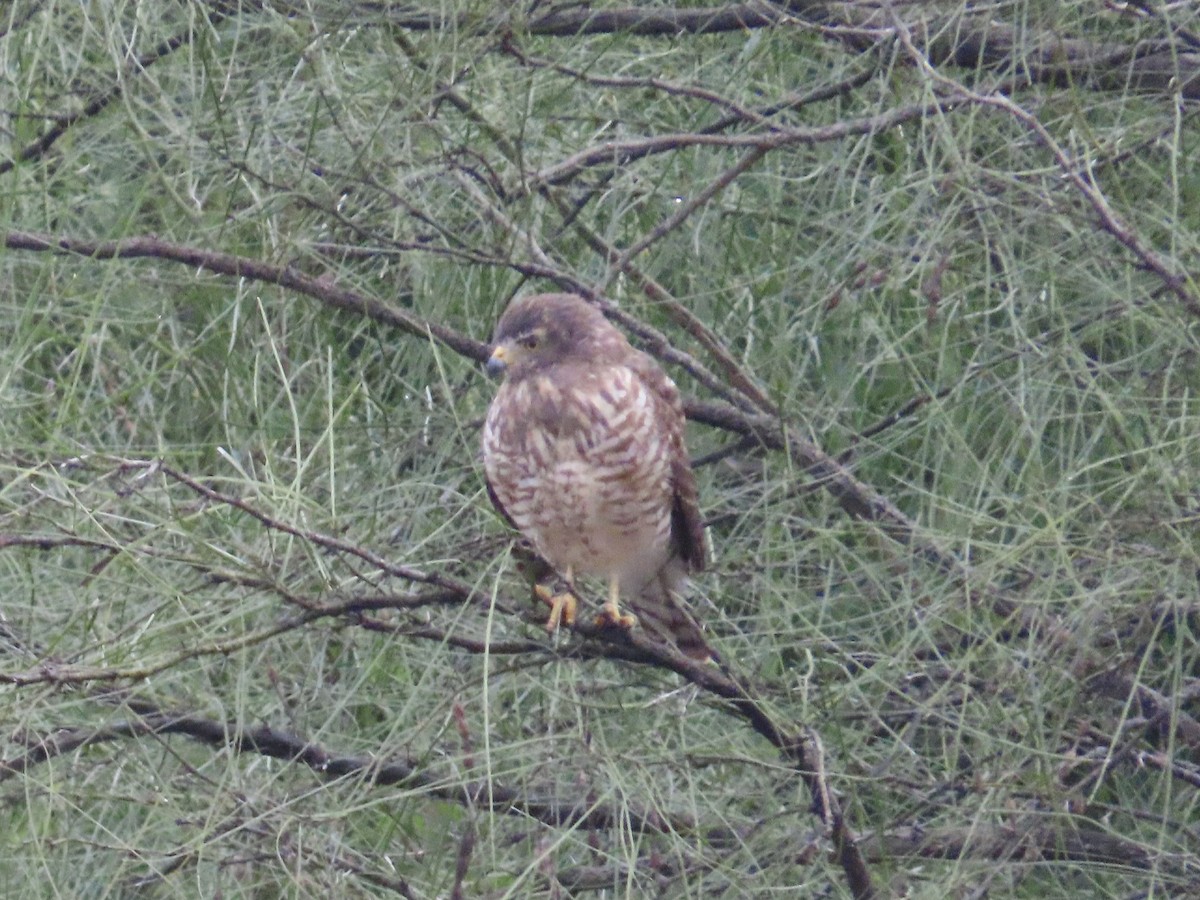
498, 361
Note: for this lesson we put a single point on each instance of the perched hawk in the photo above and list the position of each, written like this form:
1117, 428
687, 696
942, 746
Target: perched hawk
584, 453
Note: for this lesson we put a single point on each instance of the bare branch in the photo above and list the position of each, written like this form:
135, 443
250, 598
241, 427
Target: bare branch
971, 42
102, 99
1006, 842
263, 740
255, 269
1073, 170
581, 20
620, 153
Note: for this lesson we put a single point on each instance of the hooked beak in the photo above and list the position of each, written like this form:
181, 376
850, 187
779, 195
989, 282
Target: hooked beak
498, 361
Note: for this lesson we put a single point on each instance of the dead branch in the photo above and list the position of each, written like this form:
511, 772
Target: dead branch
263, 740
101, 100
1000, 842
969, 41
253, 269
1074, 170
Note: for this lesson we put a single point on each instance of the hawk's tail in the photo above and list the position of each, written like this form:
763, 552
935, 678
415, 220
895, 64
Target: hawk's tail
663, 613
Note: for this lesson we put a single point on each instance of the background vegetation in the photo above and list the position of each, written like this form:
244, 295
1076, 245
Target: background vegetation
924, 271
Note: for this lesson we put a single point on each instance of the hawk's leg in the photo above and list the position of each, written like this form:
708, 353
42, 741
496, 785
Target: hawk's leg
611, 613
562, 605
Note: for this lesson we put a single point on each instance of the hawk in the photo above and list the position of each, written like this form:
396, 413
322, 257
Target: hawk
584, 453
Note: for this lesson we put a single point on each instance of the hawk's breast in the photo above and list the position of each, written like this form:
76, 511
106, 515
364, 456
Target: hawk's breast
581, 463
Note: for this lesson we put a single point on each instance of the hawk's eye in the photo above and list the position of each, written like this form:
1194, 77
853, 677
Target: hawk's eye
529, 341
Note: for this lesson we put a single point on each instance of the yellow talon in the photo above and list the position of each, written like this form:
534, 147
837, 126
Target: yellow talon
563, 606
611, 614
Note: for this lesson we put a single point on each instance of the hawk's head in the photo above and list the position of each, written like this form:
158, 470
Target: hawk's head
542, 330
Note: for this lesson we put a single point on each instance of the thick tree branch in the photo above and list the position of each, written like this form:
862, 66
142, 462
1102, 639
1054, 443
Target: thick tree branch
583, 20
968, 41
999, 842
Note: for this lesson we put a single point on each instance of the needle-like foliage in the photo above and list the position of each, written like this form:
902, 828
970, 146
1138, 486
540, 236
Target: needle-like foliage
925, 273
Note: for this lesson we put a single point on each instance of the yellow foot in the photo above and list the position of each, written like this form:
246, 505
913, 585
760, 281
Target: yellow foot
612, 617
562, 607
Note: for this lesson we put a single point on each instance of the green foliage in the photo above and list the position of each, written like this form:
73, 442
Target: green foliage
209, 484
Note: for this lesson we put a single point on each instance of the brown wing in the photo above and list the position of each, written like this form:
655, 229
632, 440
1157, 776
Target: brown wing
498, 506
687, 526
529, 563
661, 608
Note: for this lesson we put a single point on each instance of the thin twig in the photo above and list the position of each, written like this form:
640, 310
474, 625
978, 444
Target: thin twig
101, 100
1075, 171
622, 152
